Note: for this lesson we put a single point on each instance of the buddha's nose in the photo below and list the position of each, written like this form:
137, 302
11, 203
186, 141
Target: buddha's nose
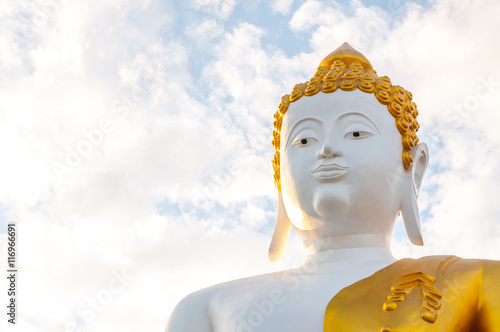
330, 148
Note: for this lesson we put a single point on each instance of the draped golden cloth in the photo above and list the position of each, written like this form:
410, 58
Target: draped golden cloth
435, 293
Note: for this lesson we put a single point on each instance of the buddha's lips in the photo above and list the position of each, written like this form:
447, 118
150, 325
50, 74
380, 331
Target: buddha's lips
329, 171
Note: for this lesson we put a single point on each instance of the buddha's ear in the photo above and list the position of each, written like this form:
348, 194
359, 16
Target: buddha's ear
409, 206
281, 232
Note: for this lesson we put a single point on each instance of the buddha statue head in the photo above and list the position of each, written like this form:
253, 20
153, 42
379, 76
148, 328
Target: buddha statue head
347, 159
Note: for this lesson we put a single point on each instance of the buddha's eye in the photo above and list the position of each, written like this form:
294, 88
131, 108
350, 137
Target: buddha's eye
358, 134
300, 142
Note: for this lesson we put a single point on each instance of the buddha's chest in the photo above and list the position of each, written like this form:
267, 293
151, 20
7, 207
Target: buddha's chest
296, 303
399, 298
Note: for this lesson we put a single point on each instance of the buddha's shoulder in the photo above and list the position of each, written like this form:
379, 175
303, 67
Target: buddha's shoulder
442, 269
442, 263
200, 303
233, 287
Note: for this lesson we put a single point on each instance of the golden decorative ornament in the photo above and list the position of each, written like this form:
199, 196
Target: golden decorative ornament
347, 69
329, 87
431, 296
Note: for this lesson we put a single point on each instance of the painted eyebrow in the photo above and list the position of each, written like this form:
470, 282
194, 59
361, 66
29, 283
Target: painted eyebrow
298, 123
351, 114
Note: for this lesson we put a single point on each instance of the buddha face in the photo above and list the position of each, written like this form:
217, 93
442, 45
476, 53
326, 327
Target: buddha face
341, 169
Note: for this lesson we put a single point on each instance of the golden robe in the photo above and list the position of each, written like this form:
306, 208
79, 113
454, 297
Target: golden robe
435, 293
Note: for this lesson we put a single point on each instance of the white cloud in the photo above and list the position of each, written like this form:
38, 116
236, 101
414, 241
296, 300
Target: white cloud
221, 9
313, 13
281, 6
205, 31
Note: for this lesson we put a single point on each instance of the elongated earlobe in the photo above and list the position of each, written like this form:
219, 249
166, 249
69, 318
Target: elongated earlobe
411, 218
409, 206
281, 232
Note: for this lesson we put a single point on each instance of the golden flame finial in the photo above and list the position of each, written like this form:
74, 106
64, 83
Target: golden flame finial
347, 54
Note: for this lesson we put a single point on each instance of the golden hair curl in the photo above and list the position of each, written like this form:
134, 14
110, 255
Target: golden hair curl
356, 75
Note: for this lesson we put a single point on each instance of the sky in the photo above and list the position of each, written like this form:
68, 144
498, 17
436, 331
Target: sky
136, 141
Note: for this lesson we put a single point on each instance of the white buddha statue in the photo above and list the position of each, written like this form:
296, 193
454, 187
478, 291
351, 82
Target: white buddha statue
347, 162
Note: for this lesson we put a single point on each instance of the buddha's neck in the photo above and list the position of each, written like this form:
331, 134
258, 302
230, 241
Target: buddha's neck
316, 245
362, 250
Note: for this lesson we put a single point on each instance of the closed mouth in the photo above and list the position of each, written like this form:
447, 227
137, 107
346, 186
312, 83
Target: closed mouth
329, 171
